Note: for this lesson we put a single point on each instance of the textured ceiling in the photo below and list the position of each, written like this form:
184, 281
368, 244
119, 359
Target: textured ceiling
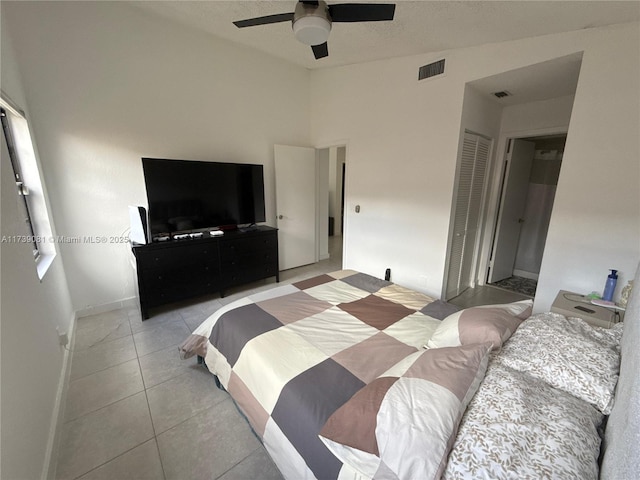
418, 27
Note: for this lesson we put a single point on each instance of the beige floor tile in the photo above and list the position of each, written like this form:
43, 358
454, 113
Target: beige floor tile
102, 388
161, 337
100, 436
140, 463
182, 397
101, 356
91, 321
193, 319
207, 445
163, 365
167, 317
257, 465
91, 331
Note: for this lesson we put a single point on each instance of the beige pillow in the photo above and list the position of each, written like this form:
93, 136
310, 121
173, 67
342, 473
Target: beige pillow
487, 323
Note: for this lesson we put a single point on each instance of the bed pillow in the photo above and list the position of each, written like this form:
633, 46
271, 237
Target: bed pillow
517, 426
403, 424
487, 323
568, 354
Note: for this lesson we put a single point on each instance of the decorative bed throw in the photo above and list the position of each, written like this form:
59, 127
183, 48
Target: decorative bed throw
568, 354
491, 323
403, 424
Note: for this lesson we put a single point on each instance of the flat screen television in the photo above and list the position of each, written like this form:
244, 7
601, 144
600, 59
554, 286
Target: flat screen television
188, 195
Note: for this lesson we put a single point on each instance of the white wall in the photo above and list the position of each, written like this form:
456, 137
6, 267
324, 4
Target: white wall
403, 142
32, 360
108, 84
595, 223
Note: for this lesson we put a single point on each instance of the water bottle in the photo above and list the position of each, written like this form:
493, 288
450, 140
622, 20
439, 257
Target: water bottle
610, 286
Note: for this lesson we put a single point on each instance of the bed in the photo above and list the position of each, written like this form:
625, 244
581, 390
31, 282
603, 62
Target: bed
346, 376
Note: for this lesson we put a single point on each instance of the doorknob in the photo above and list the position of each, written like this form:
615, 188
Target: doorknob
521, 220
280, 217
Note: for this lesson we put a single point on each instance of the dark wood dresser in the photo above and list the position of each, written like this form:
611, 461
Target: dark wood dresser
180, 269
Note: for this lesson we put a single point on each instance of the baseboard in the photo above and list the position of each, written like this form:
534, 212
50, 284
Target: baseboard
107, 307
53, 444
524, 274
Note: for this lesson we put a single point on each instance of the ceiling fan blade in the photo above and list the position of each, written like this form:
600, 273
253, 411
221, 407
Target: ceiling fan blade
362, 12
320, 51
309, 2
277, 18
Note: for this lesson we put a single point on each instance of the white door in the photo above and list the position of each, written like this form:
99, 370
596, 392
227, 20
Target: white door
466, 217
512, 205
295, 169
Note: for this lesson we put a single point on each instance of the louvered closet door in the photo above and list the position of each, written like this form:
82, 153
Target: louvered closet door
467, 213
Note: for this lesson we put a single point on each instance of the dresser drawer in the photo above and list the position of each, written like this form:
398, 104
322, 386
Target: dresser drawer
159, 278
239, 276
243, 261
243, 246
173, 257
161, 286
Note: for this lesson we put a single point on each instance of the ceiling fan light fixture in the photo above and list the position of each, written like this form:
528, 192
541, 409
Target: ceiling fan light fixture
312, 30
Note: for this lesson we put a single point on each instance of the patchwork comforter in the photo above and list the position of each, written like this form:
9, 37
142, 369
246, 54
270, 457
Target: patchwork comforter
335, 376
291, 356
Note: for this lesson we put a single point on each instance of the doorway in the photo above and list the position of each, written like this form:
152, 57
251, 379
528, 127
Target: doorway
336, 200
309, 203
530, 177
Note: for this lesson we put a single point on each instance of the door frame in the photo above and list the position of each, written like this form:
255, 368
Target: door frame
343, 196
321, 195
516, 177
494, 196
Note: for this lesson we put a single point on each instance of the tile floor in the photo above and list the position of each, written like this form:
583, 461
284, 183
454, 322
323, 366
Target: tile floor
486, 295
134, 409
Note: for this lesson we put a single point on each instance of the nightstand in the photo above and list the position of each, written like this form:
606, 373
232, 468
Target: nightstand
572, 304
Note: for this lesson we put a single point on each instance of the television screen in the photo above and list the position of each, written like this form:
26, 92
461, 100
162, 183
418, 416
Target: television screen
191, 195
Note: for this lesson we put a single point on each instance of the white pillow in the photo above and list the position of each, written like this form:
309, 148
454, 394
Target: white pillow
487, 323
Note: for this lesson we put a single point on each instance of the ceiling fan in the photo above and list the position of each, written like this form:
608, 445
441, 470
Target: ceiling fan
311, 20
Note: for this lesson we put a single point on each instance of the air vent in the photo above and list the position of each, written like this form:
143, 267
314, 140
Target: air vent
502, 94
431, 70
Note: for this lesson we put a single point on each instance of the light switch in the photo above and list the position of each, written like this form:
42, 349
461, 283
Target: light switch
357, 208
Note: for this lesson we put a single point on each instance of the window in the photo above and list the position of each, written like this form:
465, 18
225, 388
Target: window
29, 188
22, 189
